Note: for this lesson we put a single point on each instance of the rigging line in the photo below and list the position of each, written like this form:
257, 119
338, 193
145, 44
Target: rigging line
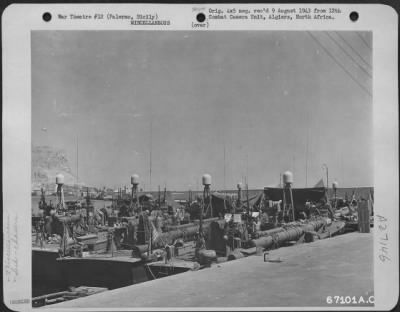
363, 40
339, 64
349, 55
354, 50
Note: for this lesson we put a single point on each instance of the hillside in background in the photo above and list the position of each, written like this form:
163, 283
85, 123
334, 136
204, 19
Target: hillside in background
47, 162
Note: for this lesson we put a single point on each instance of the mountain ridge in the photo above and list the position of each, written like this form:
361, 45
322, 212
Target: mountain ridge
47, 162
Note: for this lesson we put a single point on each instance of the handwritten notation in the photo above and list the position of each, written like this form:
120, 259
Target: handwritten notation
11, 248
383, 239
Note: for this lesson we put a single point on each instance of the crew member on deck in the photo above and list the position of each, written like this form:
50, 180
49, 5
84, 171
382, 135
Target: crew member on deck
230, 232
325, 209
307, 207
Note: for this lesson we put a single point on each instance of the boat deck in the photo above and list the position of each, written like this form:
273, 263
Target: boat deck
176, 263
296, 276
117, 256
46, 246
49, 248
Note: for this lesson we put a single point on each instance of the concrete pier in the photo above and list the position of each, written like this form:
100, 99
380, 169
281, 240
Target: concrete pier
297, 276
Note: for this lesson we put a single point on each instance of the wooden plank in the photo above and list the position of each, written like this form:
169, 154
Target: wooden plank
366, 220
363, 217
52, 295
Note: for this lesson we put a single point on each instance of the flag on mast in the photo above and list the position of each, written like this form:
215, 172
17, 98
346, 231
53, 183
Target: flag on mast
65, 239
154, 233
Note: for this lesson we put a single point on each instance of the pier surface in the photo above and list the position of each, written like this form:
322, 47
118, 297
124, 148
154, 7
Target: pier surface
305, 276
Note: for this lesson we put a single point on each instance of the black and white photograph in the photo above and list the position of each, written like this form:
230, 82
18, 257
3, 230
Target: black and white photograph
154, 154
203, 169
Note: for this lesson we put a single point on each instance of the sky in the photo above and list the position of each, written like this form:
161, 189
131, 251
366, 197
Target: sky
239, 105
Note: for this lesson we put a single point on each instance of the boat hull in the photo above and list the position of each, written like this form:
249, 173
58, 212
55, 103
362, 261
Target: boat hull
46, 272
109, 273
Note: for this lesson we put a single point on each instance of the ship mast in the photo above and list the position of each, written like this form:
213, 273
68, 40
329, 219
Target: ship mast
247, 182
308, 134
151, 147
224, 171
77, 166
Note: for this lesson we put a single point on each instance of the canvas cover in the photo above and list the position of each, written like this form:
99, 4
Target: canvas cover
224, 204
300, 195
